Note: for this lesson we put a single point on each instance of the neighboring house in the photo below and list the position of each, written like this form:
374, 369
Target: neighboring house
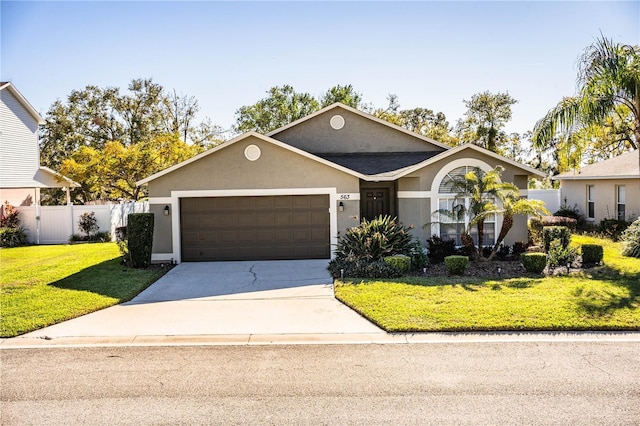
609, 189
21, 176
291, 193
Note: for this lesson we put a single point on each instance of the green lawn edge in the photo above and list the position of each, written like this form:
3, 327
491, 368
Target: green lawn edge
45, 285
604, 298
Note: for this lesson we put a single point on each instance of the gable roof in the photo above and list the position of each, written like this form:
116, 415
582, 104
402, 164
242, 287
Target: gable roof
339, 105
243, 137
23, 101
625, 166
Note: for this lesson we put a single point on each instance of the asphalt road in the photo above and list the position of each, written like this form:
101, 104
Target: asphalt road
581, 383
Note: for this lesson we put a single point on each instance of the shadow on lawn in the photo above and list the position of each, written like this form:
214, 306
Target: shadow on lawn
600, 302
110, 279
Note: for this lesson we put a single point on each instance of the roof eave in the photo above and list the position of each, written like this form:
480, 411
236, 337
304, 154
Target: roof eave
23, 101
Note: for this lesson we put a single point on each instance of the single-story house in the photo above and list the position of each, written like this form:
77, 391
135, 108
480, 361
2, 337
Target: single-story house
609, 189
291, 193
21, 176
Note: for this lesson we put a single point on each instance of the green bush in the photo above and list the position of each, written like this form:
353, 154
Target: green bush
631, 240
559, 254
13, 237
534, 262
400, 261
536, 226
9, 217
419, 259
140, 239
350, 267
591, 253
438, 249
372, 240
612, 228
551, 233
88, 224
456, 265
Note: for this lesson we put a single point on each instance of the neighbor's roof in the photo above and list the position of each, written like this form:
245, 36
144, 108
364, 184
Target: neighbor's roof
625, 166
23, 101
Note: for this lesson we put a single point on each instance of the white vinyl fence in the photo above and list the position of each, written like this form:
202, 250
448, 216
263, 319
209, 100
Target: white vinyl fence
551, 198
55, 224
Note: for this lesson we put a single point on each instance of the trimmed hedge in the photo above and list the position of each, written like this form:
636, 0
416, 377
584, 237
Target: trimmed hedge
140, 238
536, 226
456, 265
534, 262
400, 262
551, 233
591, 253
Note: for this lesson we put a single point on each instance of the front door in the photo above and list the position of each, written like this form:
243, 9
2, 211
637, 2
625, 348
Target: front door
375, 202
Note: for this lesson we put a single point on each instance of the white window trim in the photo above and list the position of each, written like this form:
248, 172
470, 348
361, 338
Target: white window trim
437, 180
590, 200
618, 203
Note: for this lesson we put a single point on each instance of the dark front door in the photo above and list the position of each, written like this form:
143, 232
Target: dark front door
375, 202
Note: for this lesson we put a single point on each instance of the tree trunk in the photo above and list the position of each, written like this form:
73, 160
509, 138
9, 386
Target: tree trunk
507, 223
467, 241
479, 253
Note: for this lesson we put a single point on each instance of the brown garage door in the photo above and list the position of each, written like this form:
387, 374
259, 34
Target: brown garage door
255, 228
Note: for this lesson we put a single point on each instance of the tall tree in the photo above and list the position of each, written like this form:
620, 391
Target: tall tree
486, 115
179, 113
282, 106
608, 89
343, 94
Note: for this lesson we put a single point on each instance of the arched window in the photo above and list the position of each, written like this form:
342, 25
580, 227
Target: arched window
452, 228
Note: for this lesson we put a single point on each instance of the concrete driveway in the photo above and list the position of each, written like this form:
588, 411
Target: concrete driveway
228, 299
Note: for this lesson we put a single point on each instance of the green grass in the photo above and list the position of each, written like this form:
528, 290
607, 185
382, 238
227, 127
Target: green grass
602, 298
44, 285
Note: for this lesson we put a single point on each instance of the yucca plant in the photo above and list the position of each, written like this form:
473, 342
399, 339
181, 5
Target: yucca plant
375, 239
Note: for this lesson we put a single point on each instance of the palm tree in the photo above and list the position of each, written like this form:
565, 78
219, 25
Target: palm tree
512, 205
476, 193
609, 78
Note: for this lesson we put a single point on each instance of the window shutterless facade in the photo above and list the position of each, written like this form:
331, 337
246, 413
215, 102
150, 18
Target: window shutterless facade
621, 202
591, 203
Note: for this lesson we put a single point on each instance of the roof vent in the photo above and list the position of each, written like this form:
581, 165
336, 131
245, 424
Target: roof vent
337, 122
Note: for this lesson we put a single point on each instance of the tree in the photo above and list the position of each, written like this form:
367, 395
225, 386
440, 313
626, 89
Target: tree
512, 205
608, 96
111, 172
486, 115
282, 106
179, 113
344, 94
475, 200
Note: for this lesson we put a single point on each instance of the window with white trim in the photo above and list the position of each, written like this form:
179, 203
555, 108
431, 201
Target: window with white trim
591, 202
621, 202
450, 228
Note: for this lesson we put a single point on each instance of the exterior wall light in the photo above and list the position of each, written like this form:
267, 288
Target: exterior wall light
340, 206
166, 210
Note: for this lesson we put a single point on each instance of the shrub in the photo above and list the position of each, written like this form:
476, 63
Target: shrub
573, 213
88, 224
439, 249
518, 248
350, 267
419, 257
559, 254
13, 237
372, 240
400, 261
591, 253
123, 245
631, 240
503, 252
456, 265
140, 239
534, 262
536, 226
9, 217
613, 228
552, 233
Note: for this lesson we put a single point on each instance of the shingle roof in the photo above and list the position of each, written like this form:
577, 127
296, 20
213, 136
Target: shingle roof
378, 162
625, 165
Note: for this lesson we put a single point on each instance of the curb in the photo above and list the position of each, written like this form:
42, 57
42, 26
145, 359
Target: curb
319, 339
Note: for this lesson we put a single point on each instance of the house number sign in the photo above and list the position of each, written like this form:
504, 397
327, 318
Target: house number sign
349, 197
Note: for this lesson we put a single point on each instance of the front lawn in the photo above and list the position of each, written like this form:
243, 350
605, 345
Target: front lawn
602, 298
44, 285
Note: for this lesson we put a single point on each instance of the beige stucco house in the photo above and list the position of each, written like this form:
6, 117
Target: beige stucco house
609, 189
21, 176
291, 193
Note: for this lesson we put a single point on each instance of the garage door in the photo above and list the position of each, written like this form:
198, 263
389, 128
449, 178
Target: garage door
255, 228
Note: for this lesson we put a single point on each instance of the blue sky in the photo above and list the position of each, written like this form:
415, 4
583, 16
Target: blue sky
228, 54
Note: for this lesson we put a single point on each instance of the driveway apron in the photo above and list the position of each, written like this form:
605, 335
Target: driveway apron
226, 298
